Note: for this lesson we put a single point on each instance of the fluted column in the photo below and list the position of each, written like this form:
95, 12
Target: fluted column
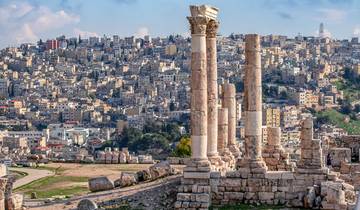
198, 87
212, 89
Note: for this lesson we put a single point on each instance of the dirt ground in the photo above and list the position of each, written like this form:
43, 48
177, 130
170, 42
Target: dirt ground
93, 170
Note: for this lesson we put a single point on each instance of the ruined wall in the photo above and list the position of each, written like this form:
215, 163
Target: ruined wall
8, 200
352, 142
285, 188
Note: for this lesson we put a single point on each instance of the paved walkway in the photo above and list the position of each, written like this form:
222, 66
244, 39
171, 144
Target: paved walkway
33, 174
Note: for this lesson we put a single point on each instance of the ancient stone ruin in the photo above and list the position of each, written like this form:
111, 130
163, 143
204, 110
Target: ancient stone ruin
217, 173
8, 199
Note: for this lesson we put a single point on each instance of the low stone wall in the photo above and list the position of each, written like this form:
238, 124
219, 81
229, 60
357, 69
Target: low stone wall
282, 187
178, 160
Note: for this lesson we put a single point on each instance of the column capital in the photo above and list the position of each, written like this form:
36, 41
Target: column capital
198, 24
212, 29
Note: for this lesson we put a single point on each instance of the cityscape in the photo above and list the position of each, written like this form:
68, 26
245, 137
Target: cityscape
194, 120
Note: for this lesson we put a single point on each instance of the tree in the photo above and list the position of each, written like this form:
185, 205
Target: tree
183, 149
348, 74
357, 108
152, 127
345, 108
150, 141
128, 137
171, 131
283, 95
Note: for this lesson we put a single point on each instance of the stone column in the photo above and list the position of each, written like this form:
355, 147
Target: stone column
223, 129
198, 87
3, 184
226, 156
229, 102
274, 135
212, 89
311, 159
273, 154
253, 104
195, 189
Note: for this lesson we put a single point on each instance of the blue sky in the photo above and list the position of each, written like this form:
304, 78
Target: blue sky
29, 20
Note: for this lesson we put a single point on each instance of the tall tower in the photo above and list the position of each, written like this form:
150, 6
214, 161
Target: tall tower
321, 31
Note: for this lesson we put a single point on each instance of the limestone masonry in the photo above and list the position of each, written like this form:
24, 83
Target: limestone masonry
218, 173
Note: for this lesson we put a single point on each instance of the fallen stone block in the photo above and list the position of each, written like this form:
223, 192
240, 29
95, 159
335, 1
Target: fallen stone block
87, 204
126, 179
100, 184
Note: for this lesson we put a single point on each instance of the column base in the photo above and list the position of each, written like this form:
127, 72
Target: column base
228, 158
234, 149
217, 164
195, 191
255, 166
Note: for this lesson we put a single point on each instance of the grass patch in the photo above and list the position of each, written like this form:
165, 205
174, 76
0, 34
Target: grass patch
336, 118
247, 207
68, 192
51, 186
349, 89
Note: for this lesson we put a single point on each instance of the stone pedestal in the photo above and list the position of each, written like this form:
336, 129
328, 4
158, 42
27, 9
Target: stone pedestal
311, 151
195, 191
274, 155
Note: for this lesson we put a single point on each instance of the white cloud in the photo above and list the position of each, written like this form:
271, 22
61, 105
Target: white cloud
332, 15
46, 19
357, 31
141, 32
25, 34
21, 22
84, 34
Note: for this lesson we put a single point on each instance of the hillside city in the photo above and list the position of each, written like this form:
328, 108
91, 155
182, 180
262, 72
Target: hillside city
127, 100
67, 99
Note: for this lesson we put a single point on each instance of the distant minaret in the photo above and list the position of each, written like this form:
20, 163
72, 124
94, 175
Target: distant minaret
321, 31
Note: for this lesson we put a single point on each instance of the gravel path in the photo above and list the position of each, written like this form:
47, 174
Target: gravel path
33, 174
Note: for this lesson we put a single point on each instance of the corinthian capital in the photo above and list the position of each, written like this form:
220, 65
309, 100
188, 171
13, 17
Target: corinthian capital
198, 24
212, 28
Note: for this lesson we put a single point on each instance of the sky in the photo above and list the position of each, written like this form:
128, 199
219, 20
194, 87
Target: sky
29, 20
